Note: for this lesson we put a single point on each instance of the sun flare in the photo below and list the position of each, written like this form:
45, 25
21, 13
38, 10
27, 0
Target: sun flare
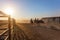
9, 11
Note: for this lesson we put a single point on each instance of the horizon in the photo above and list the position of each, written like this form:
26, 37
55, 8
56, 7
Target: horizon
26, 9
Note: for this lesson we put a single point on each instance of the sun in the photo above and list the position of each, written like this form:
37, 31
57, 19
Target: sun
9, 11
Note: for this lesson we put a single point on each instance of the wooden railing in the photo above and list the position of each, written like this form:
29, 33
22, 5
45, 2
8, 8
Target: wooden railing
4, 35
7, 31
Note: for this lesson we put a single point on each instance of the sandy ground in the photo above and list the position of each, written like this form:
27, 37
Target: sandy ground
37, 32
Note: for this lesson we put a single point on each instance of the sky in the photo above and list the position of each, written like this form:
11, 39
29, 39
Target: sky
26, 9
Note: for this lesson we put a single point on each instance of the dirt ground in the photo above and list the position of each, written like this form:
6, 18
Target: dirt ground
36, 32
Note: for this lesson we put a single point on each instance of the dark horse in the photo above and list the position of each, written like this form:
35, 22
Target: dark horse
40, 21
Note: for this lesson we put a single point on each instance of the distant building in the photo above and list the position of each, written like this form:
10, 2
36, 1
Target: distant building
51, 19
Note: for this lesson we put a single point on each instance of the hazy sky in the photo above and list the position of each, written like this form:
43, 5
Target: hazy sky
32, 8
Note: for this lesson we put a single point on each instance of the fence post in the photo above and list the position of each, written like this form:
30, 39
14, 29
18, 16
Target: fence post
9, 27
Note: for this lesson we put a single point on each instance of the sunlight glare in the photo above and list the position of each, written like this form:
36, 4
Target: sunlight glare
9, 11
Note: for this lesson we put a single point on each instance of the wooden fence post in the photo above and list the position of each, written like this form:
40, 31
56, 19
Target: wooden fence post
9, 26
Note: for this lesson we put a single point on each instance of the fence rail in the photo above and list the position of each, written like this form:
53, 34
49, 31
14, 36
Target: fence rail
4, 35
6, 38
8, 31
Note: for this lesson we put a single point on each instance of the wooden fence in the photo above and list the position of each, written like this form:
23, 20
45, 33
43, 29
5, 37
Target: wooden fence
6, 34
